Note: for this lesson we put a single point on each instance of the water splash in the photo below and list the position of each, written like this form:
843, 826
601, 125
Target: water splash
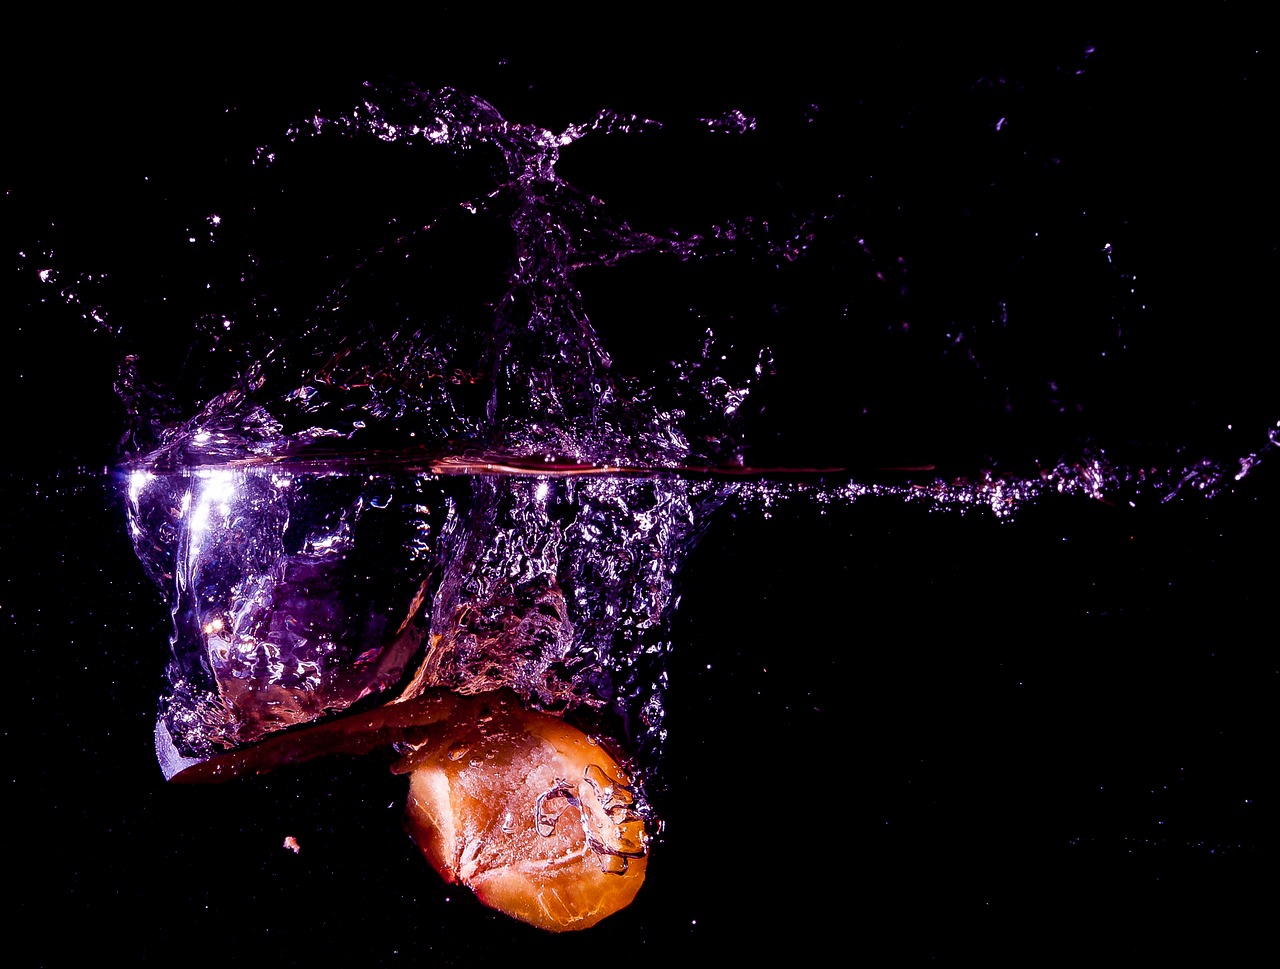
436, 475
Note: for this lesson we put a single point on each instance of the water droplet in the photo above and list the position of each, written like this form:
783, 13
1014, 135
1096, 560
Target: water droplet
612, 864
550, 806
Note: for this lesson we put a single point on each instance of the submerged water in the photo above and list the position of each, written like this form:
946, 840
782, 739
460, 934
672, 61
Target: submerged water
451, 376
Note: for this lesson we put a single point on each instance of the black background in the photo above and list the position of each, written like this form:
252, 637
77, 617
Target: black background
898, 732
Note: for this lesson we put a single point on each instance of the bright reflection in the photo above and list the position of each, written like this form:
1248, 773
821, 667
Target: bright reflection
219, 490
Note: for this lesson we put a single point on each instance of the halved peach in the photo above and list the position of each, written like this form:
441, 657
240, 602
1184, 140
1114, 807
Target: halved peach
530, 814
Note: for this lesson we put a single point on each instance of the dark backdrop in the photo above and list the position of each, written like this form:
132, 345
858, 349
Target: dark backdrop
896, 732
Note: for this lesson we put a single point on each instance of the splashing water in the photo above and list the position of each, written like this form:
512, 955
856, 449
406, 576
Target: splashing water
437, 474
313, 533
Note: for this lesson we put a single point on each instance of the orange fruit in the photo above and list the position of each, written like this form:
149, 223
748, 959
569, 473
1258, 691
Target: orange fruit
531, 815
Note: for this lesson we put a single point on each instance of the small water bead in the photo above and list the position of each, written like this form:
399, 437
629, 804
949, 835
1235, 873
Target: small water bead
551, 804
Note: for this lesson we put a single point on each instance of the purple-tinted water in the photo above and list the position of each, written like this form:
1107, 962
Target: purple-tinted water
1030, 652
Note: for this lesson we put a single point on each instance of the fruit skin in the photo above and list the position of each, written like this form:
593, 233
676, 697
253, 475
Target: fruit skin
530, 814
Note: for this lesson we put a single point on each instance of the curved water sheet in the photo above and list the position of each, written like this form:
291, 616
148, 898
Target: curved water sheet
428, 517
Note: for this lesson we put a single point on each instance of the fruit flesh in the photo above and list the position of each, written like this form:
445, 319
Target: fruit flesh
530, 814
